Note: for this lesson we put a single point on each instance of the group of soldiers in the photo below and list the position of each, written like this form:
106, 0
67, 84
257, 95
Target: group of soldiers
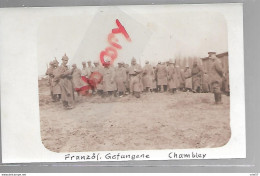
107, 80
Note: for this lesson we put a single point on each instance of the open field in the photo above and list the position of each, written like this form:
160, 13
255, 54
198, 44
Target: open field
155, 121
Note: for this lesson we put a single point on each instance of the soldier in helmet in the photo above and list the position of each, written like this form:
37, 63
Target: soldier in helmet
172, 77
109, 84
188, 79
216, 76
134, 72
67, 91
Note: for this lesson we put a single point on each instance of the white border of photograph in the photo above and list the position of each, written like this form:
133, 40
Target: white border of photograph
20, 119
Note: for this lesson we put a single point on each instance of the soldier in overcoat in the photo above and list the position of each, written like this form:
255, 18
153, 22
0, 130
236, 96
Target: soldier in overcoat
121, 79
135, 78
147, 76
161, 71
109, 84
216, 76
65, 81
196, 73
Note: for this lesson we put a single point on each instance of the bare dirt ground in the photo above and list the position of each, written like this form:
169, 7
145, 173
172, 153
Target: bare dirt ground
155, 121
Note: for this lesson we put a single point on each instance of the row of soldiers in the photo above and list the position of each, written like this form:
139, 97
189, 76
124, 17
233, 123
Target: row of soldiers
108, 80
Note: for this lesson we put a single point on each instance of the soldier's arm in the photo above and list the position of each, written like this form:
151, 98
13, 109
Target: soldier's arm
219, 69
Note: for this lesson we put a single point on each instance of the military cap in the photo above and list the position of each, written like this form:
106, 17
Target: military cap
133, 59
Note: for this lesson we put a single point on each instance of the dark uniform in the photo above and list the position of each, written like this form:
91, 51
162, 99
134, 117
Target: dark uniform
216, 75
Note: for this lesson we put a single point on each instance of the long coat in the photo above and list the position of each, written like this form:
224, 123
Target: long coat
188, 79
147, 76
196, 73
97, 74
121, 79
67, 90
109, 83
135, 77
216, 72
55, 82
161, 75
76, 79
173, 80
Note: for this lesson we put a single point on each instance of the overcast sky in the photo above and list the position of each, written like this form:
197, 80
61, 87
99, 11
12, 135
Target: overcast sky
156, 32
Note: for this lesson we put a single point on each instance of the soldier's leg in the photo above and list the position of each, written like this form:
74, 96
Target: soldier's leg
131, 87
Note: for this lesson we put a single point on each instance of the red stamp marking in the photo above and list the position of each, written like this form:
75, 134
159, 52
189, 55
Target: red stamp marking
111, 51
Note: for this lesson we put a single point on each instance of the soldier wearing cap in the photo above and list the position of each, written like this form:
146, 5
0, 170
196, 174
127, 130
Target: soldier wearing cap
65, 81
135, 71
121, 79
90, 67
55, 82
161, 71
85, 71
109, 85
196, 73
97, 75
216, 75
188, 79
172, 77
49, 72
79, 85
147, 76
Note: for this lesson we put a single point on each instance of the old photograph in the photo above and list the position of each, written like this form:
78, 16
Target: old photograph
141, 78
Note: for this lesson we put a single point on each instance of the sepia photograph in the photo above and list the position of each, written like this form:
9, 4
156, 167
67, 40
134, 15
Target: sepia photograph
140, 78
122, 83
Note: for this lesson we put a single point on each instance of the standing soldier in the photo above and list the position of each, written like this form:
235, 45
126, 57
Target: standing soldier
154, 82
109, 85
49, 72
85, 71
126, 66
67, 91
79, 85
147, 76
172, 77
97, 76
121, 79
161, 77
216, 75
196, 73
135, 71
55, 82
188, 79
